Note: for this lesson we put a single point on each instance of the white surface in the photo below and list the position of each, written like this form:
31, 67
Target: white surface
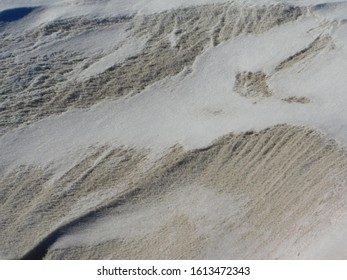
201, 107
196, 109
260, 270
129, 48
142, 220
67, 8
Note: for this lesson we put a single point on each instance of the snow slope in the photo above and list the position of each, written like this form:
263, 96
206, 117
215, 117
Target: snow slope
291, 72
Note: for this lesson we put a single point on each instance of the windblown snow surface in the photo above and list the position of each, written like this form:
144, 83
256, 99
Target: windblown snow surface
157, 129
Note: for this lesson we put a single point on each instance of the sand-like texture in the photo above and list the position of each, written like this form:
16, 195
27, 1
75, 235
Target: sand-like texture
202, 132
260, 195
250, 196
42, 84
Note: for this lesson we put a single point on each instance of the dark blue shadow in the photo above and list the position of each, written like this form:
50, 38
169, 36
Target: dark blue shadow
15, 14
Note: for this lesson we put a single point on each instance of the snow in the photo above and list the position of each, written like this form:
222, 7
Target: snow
193, 109
115, 57
331, 245
89, 42
69, 8
201, 107
65, 9
333, 10
143, 220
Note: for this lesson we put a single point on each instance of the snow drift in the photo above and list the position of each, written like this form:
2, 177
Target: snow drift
164, 130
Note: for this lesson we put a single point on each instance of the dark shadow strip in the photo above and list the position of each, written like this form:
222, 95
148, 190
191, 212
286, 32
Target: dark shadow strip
15, 14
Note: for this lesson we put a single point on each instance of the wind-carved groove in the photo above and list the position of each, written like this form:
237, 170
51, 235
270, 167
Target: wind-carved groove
217, 31
320, 43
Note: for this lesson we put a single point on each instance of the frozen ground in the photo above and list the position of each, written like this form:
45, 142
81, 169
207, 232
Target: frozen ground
98, 95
